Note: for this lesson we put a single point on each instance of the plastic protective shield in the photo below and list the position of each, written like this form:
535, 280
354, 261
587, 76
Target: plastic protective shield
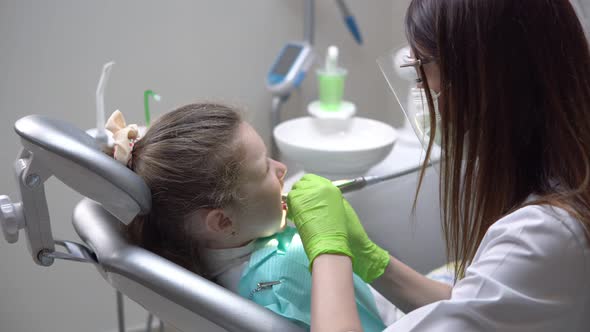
403, 80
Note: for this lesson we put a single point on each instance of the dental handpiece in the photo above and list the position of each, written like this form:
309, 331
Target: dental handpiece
358, 183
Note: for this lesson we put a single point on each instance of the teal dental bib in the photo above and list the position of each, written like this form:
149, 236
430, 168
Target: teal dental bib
277, 277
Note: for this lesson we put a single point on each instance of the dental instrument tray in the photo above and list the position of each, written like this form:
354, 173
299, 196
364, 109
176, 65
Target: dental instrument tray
115, 196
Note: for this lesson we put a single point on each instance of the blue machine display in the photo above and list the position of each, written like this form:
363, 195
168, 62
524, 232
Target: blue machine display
290, 67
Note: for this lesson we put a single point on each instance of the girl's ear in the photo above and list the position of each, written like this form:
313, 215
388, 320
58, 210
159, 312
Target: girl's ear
217, 222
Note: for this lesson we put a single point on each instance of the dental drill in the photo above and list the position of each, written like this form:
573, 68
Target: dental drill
358, 183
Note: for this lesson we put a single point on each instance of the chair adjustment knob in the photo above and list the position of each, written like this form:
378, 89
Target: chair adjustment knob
12, 218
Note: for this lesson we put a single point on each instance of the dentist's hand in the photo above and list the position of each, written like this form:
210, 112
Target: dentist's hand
316, 207
370, 260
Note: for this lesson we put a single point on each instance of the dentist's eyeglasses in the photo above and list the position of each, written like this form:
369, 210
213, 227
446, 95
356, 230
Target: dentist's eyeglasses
417, 63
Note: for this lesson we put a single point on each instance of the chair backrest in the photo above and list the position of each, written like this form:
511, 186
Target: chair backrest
174, 294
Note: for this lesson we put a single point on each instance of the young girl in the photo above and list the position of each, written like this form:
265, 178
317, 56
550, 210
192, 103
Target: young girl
217, 209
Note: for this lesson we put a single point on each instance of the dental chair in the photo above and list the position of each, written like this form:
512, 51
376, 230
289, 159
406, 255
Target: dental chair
114, 196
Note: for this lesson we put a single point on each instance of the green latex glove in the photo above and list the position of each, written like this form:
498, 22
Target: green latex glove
315, 206
370, 260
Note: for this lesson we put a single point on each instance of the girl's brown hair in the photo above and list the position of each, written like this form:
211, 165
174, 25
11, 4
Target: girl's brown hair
189, 158
515, 97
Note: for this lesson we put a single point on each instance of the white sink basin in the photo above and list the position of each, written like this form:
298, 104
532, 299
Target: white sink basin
350, 150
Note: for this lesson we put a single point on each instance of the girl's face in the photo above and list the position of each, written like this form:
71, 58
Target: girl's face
261, 211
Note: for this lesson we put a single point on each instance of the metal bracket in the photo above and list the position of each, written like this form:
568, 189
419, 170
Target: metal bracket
32, 215
75, 252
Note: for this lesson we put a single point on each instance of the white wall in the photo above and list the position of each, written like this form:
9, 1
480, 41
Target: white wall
51, 53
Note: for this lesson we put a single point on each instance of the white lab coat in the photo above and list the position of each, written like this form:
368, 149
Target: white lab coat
530, 273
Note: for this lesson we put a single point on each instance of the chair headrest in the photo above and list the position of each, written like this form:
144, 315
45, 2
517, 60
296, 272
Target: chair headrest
76, 159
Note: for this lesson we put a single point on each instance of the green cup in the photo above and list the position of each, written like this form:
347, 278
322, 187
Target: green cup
331, 89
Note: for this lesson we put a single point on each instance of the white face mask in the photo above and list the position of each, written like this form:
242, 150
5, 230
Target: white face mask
423, 122
422, 115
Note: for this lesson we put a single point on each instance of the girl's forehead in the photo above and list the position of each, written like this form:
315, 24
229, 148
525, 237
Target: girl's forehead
253, 148
250, 138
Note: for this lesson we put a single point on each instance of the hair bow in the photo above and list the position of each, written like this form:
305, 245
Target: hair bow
124, 137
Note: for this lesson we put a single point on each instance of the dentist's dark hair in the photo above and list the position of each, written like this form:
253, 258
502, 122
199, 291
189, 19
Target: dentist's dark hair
189, 158
515, 84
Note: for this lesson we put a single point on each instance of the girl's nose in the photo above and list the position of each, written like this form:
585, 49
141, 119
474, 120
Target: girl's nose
281, 170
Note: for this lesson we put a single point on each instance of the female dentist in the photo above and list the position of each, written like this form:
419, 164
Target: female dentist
508, 88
